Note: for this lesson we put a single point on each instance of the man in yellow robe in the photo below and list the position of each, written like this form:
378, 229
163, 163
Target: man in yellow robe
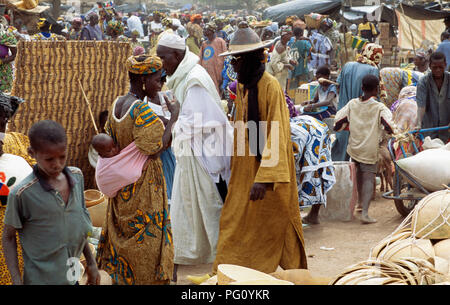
260, 224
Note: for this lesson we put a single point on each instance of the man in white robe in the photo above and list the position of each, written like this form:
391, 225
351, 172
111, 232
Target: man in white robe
202, 144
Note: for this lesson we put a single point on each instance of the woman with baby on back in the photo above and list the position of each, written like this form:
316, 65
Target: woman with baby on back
136, 243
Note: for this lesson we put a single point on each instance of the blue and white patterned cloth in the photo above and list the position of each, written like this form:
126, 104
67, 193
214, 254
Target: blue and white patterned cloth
313, 165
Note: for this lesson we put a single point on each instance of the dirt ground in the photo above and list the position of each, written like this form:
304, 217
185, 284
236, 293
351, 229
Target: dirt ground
351, 241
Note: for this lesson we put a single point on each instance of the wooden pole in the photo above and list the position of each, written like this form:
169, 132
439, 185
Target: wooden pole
89, 107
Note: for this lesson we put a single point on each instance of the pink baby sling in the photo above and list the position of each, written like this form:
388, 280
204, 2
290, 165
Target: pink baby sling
113, 174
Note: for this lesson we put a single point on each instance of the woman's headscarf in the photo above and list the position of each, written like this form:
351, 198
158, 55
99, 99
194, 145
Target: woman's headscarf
116, 27
211, 26
407, 92
328, 22
77, 20
167, 22
138, 51
285, 29
42, 23
196, 17
144, 64
372, 55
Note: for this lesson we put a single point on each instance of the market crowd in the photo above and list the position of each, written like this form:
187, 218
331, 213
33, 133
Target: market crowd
172, 202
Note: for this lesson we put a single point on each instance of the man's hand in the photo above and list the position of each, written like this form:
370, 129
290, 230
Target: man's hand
258, 191
173, 106
93, 276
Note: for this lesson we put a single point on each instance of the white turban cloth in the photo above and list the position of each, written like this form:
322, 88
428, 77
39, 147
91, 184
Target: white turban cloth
172, 41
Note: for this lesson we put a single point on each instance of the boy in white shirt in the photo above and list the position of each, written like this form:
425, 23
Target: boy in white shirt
365, 118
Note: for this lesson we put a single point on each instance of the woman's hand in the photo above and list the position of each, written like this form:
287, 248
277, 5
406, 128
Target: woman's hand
308, 108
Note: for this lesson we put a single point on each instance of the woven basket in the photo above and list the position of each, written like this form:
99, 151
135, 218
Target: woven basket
93, 197
47, 75
312, 22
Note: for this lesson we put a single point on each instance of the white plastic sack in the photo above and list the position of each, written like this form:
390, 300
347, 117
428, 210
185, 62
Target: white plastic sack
430, 168
13, 169
435, 143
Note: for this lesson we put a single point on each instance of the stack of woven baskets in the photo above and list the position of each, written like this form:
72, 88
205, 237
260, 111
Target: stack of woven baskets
416, 253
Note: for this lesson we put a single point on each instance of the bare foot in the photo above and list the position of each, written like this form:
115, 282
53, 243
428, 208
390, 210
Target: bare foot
310, 220
367, 220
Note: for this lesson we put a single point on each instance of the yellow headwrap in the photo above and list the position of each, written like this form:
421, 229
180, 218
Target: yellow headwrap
144, 64
42, 22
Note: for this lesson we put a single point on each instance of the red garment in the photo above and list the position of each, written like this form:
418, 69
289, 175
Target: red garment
210, 60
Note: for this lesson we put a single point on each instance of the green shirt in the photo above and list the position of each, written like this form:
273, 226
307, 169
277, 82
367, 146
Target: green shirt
51, 232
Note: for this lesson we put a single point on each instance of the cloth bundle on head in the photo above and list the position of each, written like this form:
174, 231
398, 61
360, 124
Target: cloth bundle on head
172, 41
211, 26
299, 24
251, 19
285, 29
116, 26
144, 64
328, 22
77, 20
290, 20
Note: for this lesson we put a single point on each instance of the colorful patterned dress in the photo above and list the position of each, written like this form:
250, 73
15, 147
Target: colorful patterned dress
44, 36
136, 244
313, 165
7, 39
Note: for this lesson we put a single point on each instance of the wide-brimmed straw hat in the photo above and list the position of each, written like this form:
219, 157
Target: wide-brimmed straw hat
245, 40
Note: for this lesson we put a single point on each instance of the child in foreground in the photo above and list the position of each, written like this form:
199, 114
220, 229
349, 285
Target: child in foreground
365, 117
325, 95
48, 210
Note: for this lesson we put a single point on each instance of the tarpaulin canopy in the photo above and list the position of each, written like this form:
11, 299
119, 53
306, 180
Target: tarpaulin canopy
425, 12
412, 32
280, 12
355, 13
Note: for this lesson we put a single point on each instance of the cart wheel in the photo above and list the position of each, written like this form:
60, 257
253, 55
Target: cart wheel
404, 207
